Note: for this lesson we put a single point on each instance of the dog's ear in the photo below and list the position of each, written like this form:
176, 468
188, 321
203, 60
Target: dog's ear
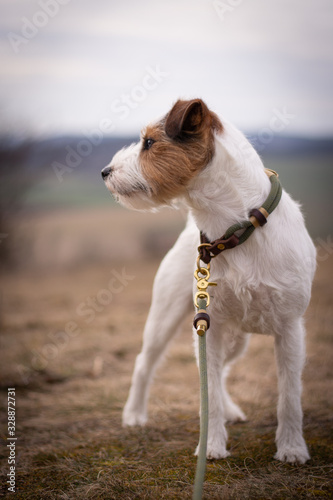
186, 118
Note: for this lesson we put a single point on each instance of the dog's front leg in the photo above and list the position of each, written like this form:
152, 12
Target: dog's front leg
290, 355
216, 354
172, 300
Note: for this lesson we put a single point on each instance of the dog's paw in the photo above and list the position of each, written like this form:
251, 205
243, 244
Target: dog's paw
292, 454
131, 419
214, 452
233, 413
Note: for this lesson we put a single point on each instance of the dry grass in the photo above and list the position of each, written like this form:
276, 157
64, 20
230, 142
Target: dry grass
70, 441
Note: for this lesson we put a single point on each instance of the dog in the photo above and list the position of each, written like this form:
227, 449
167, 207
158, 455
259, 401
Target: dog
193, 158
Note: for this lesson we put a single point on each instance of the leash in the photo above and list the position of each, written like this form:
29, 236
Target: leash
201, 323
206, 251
257, 217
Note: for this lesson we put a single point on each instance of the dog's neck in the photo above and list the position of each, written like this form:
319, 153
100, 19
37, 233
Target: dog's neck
231, 185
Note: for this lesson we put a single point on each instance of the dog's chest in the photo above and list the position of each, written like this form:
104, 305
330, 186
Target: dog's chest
249, 309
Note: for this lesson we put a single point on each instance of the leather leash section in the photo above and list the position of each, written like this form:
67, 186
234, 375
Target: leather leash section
257, 218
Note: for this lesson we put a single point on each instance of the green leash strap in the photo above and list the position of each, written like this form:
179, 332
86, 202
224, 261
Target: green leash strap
201, 461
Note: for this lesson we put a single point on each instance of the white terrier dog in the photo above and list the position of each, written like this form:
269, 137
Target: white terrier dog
192, 158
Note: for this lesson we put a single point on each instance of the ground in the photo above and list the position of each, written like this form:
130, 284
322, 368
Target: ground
71, 388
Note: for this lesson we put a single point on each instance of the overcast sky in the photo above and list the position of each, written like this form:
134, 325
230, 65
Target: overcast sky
70, 66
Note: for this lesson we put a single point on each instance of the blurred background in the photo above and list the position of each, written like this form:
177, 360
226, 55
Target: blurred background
80, 79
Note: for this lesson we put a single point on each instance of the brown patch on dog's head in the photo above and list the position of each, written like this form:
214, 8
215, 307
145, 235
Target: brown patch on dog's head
178, 147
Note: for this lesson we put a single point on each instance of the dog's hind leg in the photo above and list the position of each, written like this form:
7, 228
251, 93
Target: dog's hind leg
233, 412
172, 300
290, 355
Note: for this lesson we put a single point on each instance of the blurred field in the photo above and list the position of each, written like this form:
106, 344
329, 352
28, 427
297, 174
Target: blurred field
71, 389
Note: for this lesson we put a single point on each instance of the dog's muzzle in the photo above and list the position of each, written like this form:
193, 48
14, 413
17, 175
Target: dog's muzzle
106, 172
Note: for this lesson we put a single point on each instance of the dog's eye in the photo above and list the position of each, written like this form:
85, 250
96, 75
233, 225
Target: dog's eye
148, 143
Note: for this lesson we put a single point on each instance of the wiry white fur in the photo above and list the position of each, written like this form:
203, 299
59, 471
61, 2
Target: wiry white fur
127, 179
264, 287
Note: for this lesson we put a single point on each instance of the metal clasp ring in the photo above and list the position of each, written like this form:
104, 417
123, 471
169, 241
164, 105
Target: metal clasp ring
201, 295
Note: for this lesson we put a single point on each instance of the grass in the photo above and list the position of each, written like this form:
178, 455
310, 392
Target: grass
71, 444
158, 463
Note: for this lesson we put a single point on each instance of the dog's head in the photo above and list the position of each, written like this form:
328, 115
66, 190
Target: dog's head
171, 153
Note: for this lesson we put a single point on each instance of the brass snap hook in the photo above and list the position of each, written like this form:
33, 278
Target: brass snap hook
205, 273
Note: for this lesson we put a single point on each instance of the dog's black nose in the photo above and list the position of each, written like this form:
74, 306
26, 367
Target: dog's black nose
106, 172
